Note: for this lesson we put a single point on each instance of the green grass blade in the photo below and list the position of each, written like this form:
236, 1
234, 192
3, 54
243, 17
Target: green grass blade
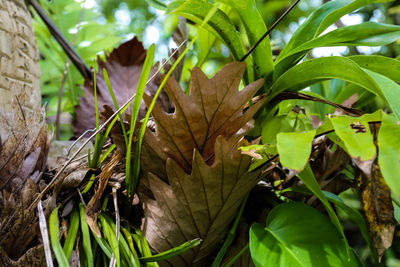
129, 255
110, 89
136, 165
108, 151
111, 238
173, 252
72, 232
130, 177
54, 229
89, 185
146, 252
87, 245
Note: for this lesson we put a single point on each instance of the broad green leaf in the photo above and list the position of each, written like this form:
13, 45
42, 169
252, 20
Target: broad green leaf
356, 136
389, 89
308, 178
389, 151
219, 24
255, 28
297, 235
357, 218
295, 148
367, 34
386, 66
54, 229
315, 24
319, 69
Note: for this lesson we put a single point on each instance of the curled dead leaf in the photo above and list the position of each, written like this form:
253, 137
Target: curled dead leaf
377, 206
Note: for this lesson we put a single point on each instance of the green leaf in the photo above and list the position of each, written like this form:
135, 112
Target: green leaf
54, 229
295, 148
111, 238
389, 89
389, 151
307, 177
356, 136
219, 24
255, 28
87, 244
320, 69
133, 177
386, 66
72, 232
366, 34
172, 252
357, 218
297, 235
314, 25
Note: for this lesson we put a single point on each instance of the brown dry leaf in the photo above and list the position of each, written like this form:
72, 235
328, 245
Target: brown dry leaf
199, 205
377, 206
124, 66
214, 107
93, 208
194, 174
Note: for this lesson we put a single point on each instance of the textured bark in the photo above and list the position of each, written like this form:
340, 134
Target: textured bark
24, 136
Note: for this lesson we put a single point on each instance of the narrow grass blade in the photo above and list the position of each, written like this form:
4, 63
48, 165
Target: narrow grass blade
146, 252
136, 165
109, 235
130, 177
237, 256
87, 245
55, 241
107, 79
72, 232
173, 252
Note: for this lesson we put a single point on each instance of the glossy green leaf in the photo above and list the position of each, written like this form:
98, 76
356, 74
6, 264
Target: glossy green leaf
297, 235
389, 151
320, 69
314, 25
367, 34
72, 232
219, 24
294, 149
357, 218
356, 136
386, 66
54, 229
389, 89
255, 29
308, 178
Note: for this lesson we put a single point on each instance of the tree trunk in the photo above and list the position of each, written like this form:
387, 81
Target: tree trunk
23, 136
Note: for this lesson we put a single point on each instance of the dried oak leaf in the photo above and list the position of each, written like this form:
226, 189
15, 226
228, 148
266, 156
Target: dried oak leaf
194, 173
377, 206
214, 107
199, 205
124, 66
